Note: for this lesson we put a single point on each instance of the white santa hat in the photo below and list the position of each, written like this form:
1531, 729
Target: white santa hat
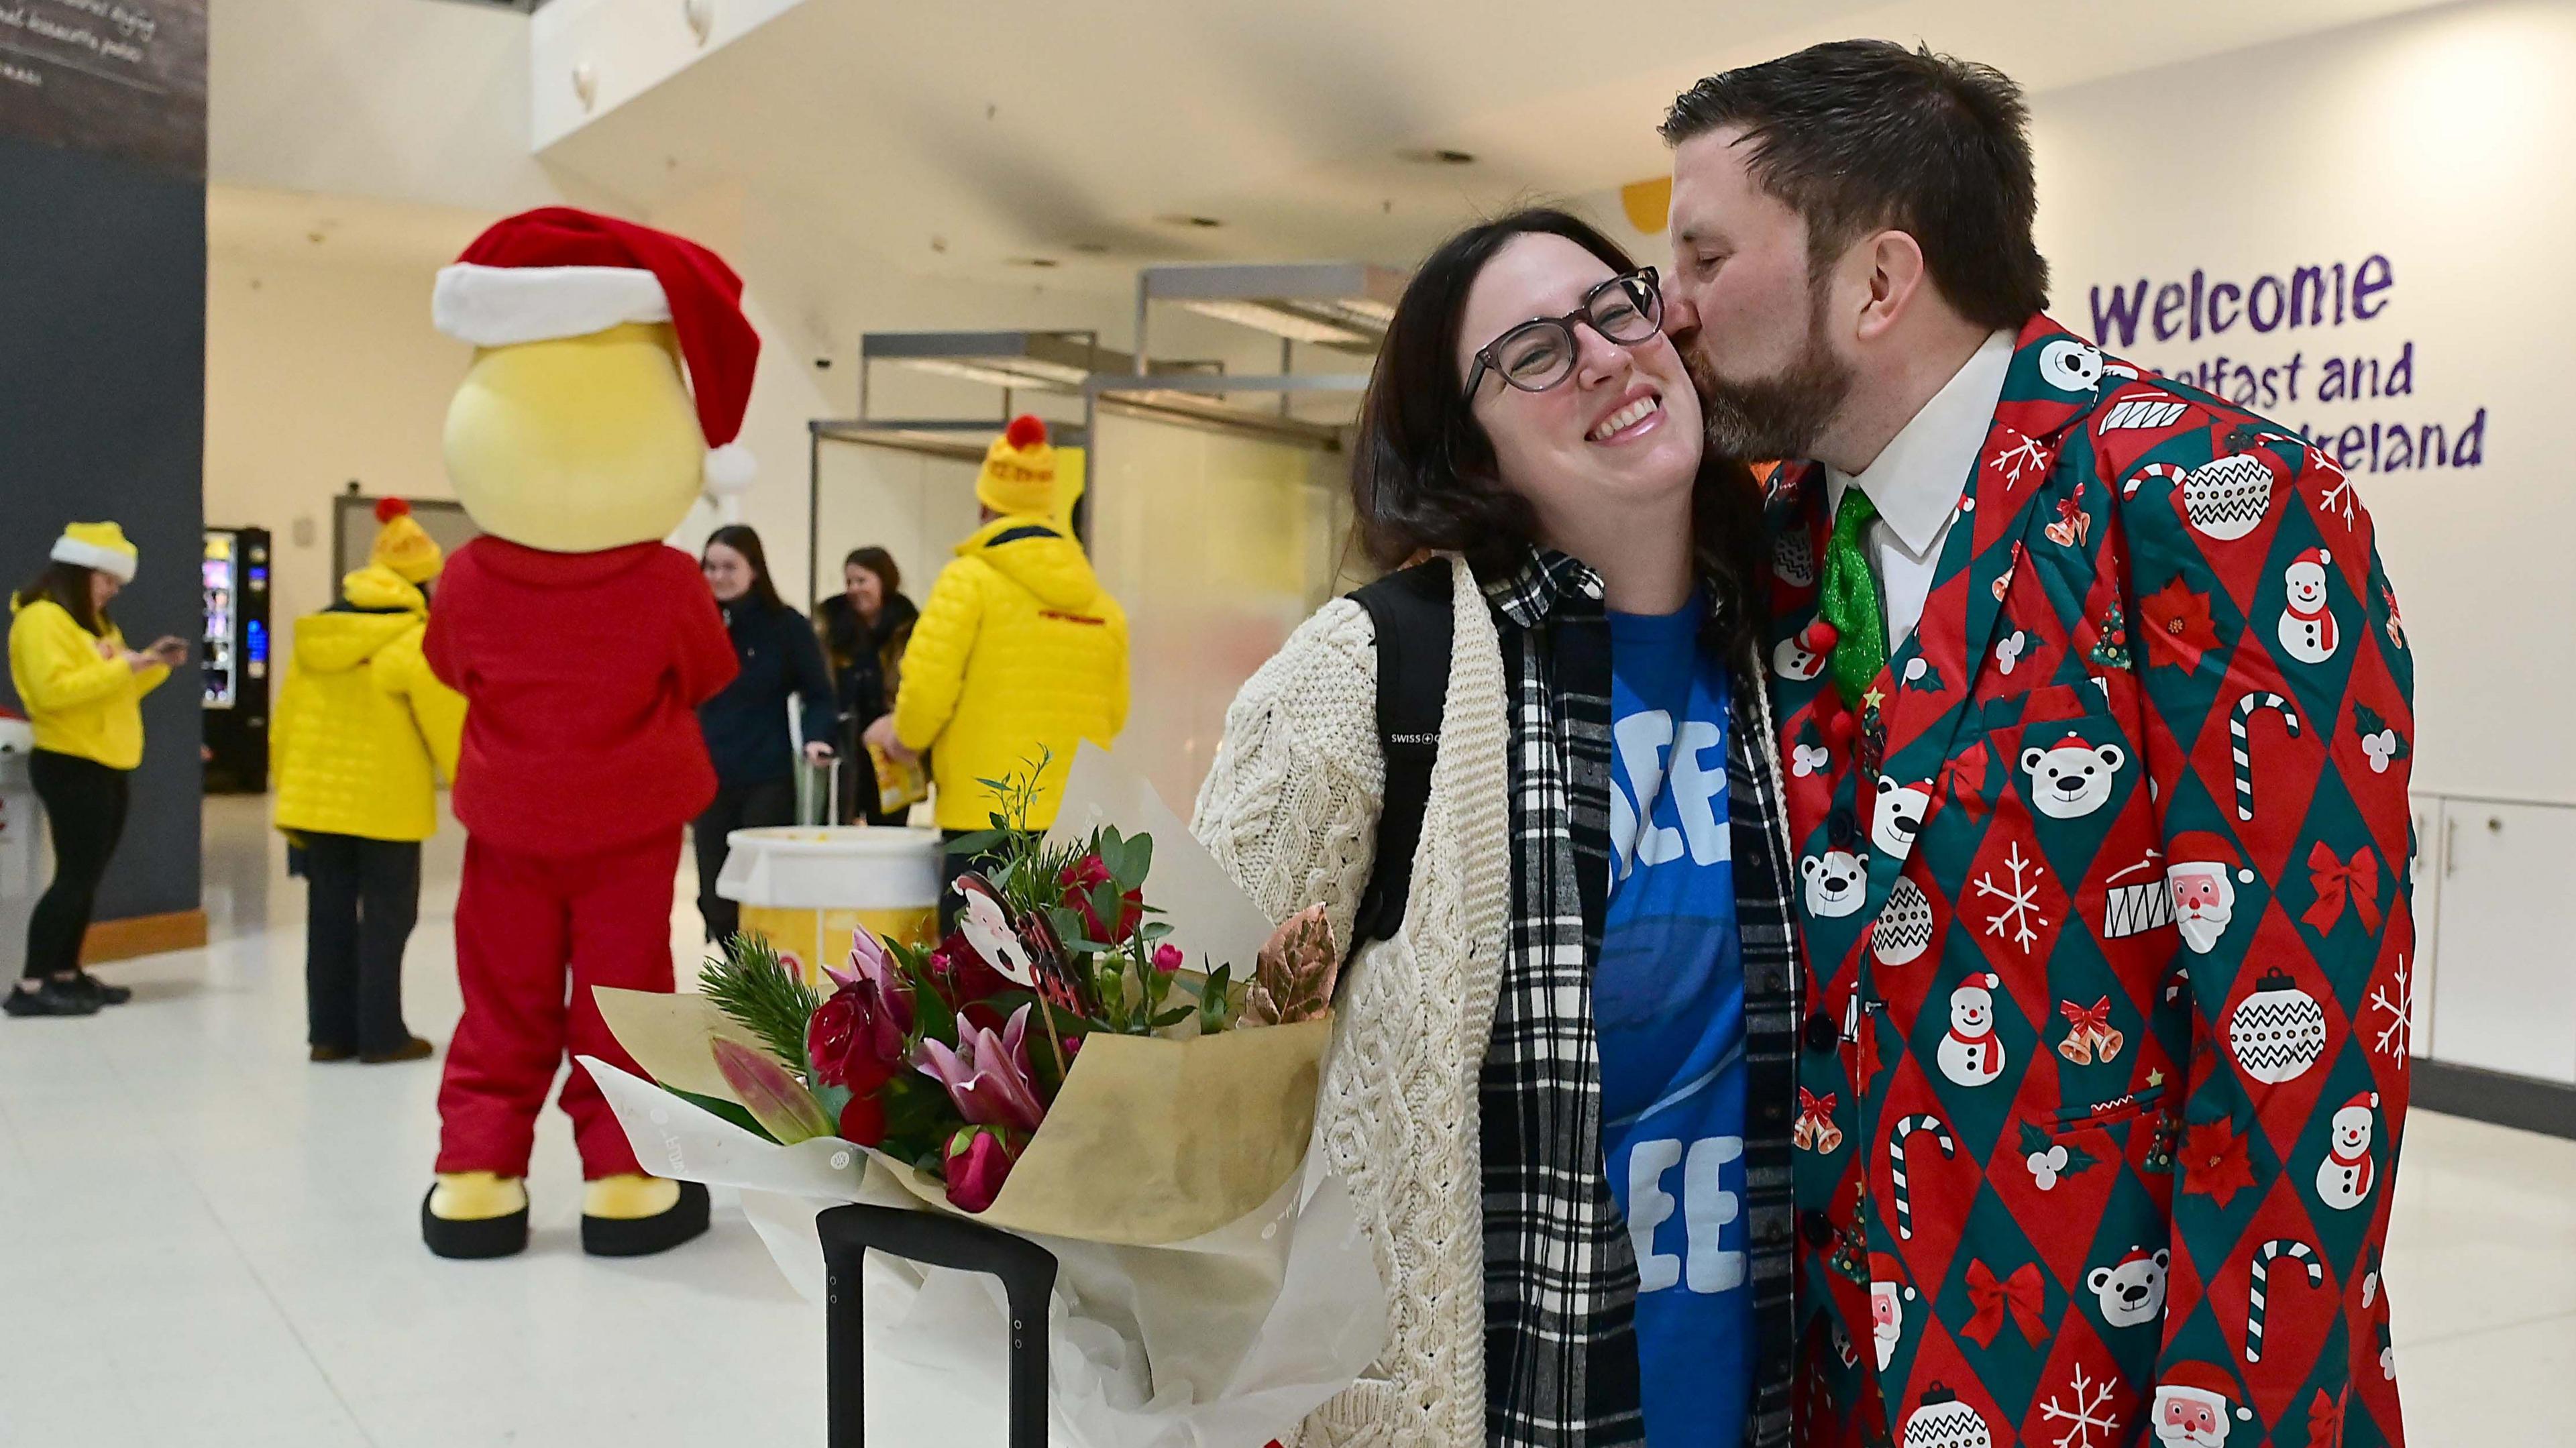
561, 272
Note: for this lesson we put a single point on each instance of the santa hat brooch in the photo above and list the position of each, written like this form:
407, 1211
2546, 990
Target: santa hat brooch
561, 272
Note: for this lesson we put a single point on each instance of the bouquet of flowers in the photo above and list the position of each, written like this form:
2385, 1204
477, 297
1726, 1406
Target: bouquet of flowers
1125, 1075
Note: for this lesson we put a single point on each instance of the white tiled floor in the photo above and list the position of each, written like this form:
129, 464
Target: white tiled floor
206, 1241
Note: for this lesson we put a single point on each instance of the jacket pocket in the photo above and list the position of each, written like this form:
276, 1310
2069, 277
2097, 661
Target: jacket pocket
2103, 1115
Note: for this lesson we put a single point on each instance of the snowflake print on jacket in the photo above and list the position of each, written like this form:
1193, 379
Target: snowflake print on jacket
2145, 959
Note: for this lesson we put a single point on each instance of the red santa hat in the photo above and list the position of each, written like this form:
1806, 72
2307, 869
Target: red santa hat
561, 272
2202, 1382
2201, 847
2361, 1101
2317, 556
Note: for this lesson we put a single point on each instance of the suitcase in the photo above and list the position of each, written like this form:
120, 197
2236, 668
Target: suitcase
1027, 1271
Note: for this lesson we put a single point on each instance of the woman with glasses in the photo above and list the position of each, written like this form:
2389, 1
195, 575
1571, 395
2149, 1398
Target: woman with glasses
1559, 1088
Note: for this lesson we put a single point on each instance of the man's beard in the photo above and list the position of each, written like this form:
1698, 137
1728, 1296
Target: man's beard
1780, 416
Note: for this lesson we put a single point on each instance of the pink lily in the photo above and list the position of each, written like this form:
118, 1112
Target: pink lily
778, 1101
987, 1076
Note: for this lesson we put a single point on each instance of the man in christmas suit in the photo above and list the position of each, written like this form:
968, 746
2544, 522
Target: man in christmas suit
2109, 644
583, 646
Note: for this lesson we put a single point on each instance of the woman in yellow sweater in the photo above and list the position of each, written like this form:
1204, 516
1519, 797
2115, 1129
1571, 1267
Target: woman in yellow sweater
82, 688
357, 731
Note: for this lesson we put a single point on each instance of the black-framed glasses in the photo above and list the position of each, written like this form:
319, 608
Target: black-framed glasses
1540, 353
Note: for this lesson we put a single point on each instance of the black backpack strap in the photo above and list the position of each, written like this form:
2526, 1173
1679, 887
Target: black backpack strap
1410, 609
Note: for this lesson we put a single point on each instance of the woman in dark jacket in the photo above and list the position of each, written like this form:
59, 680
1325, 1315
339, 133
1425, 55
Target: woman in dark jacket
865, 629
746, 725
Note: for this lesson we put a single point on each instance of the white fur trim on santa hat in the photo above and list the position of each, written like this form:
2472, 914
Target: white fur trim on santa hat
730, 469
68, 549
493, 306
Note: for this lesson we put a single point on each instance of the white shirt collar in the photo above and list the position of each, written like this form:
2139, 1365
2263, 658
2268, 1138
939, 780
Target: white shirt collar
1919, 477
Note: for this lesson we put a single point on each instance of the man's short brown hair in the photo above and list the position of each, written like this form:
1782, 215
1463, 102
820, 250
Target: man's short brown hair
1859, 135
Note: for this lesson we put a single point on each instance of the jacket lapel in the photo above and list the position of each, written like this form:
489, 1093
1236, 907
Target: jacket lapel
1932, 678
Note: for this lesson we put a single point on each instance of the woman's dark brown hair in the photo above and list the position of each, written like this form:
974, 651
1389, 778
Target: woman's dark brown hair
66, 584
879, 562
741, 539
1422, 470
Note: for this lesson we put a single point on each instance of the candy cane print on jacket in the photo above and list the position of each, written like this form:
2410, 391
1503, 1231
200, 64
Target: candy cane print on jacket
2177, 899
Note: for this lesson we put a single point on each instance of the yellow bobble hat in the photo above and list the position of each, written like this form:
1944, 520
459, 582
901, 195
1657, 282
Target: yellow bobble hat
403, 545
97, 545
1018, 476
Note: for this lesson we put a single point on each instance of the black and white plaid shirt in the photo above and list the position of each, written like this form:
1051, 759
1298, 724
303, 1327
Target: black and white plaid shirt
1560, 1274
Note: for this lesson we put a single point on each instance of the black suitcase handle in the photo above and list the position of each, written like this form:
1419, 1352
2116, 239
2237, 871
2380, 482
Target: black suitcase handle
1027, 1271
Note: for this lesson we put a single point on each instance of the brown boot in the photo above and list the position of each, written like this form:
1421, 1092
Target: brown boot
413, 1049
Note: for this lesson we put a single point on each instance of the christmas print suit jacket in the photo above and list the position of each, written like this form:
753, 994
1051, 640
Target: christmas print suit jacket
2072, 1170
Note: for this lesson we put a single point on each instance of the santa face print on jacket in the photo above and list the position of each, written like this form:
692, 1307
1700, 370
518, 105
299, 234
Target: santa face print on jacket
1970, 1055
2203, 878
1886, 1310
2190, 1418
2307, 629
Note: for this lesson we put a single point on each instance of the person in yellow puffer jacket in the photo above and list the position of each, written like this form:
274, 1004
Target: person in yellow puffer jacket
358, 728
1019, 651
83, 689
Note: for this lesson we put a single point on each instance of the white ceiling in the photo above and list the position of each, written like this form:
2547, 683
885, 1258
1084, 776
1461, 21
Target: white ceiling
948, 138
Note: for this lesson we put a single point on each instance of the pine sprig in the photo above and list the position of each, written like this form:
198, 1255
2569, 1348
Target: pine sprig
762, 993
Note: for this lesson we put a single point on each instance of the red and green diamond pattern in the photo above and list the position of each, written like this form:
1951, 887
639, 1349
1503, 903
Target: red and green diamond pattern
2108, 952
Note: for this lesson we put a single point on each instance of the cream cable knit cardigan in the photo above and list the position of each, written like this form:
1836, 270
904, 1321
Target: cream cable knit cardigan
1290, 807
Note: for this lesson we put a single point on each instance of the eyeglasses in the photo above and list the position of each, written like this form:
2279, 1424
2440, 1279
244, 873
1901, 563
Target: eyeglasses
1540, 353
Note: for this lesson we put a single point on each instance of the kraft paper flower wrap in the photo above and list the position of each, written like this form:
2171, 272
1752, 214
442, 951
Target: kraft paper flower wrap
1057, 1069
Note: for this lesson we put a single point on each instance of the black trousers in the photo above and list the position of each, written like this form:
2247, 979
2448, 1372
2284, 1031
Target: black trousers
361, 898
736, 807
85, 805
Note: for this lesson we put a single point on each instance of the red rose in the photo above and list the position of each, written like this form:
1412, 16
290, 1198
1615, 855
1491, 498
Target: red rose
856, 1038
979, 1162
1079, 879
863, 1121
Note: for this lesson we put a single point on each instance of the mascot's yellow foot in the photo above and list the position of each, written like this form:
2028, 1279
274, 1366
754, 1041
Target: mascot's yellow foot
636, 1216
475, 1214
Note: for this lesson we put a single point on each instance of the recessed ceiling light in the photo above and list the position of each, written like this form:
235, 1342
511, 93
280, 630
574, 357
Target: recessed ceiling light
1203, 223
1033, 261
1436, 156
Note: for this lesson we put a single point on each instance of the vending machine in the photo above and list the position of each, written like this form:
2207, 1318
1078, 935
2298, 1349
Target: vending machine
234, 656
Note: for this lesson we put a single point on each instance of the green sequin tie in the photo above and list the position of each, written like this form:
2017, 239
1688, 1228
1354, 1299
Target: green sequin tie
1850, 600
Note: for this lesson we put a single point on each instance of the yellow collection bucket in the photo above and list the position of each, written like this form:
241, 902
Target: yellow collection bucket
806, 887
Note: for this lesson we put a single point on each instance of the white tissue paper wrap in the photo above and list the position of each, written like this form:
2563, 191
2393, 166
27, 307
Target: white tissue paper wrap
1223, 1341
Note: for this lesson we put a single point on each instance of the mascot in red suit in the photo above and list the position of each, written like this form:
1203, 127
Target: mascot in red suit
613, 363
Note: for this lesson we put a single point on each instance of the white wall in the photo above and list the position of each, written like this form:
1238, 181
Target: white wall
2437, 142
316, 373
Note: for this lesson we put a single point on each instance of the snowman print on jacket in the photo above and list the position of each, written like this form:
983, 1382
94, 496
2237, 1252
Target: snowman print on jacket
2307, 628
1970, 1055
2345, 1177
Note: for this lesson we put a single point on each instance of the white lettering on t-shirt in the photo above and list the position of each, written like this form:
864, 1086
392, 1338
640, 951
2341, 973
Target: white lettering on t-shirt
1649, 1207
1706, 1208
1635, 839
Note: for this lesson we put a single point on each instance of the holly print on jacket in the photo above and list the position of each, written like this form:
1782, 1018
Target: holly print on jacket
2105, 904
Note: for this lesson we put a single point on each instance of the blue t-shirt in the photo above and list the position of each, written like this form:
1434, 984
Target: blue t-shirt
1669, 1000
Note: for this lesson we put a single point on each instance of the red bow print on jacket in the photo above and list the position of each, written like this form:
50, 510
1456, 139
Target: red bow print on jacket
2337, 880
2022, 1294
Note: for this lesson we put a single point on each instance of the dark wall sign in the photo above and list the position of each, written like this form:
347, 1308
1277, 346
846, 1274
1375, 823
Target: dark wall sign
118, 77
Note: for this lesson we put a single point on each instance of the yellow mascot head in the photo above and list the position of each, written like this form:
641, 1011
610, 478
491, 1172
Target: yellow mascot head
611, 370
